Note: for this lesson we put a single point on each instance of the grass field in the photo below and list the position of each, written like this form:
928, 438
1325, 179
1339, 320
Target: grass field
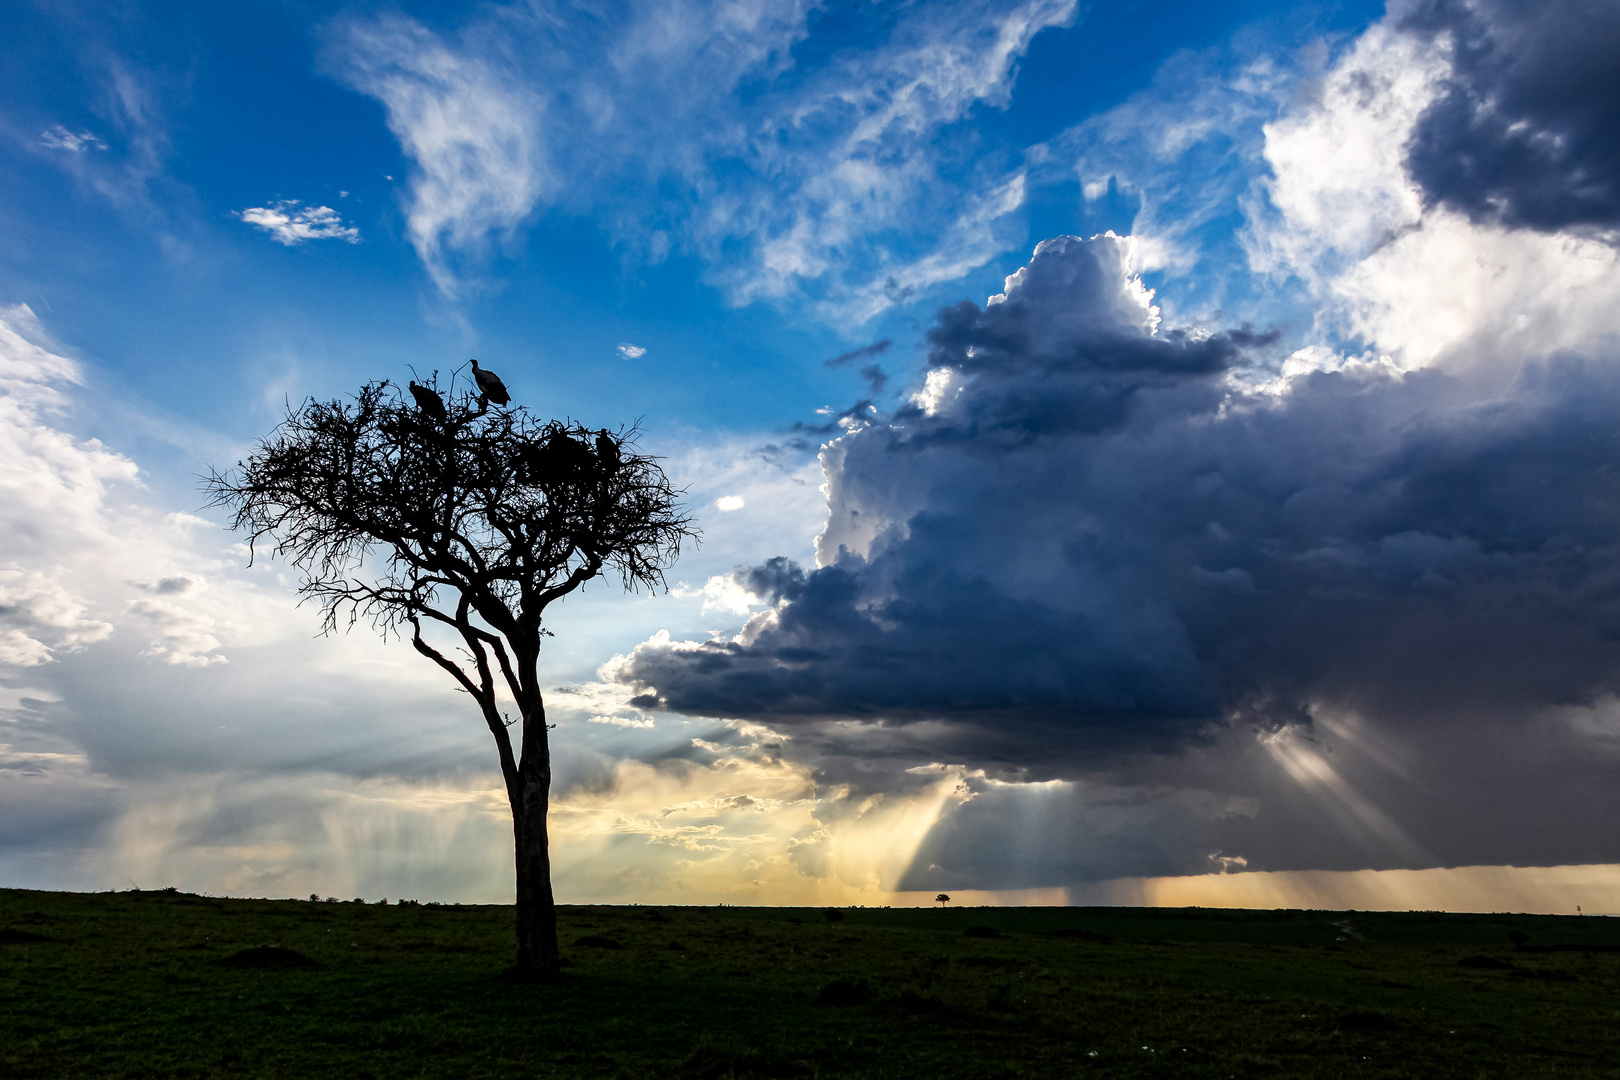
172, 985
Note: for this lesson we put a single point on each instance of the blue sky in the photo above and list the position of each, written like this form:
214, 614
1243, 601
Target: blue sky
204, 112
1224, 438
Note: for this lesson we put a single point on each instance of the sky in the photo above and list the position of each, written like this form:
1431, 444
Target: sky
1156, 453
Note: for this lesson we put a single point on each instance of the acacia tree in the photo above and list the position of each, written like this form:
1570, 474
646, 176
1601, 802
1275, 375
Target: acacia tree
475, 520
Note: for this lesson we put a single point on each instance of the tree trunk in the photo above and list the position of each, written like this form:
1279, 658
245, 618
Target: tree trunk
537, 954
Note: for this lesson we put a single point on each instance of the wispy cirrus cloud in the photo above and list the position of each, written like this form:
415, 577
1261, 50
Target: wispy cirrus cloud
705, 127
124, 162
465, 115
57, 137
1184, 153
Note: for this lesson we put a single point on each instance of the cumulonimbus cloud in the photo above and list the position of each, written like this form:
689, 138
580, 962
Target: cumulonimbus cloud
1089, 537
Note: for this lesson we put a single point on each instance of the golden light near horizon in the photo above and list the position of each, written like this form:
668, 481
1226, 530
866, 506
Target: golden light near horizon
745, 832
748, 826
1542, 890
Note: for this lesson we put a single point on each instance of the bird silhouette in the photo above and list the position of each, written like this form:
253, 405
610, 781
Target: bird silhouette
559, 460
607, 451
490, 387
429, 402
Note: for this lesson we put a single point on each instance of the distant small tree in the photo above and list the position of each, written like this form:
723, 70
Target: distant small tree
473, 519
942, 899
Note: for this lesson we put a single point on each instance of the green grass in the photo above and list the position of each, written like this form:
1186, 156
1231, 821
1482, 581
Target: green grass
158, 985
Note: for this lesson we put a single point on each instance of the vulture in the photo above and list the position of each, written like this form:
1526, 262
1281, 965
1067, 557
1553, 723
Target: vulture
561, 459
607, 451
429, 402
490, 387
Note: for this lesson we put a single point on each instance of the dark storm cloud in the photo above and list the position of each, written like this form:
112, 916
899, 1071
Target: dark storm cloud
927, 626
1086, 544
774, 580
1526, 131
865, 352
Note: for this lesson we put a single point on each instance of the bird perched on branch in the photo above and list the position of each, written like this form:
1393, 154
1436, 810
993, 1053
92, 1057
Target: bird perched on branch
607, 451
490, 387
429, 402
560, 459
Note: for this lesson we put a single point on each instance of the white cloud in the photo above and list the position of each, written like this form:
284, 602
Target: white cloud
52, 487
78, 545
41, 617
730, 502
621, 721
17, 649
722, 592
33, 761
779, 486
1477, 300
940, 387
57, 137
1340, 184
290, 224
180, 635
632, 352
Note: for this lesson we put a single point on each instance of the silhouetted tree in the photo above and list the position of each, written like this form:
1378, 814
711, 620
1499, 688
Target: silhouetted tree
942, 898
476, 522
